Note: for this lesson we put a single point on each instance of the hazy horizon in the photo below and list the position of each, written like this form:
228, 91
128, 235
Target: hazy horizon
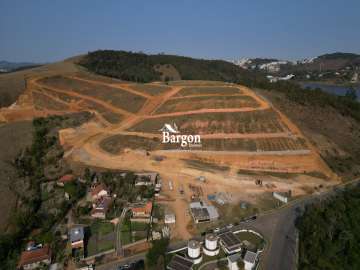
51, 31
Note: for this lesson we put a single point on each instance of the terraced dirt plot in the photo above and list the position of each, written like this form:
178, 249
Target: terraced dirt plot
206, 102
42, 101
208, 90
265, 121
114, 96
117, 143
151, 89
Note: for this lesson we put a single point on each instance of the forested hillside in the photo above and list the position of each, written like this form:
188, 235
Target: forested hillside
141, 67
330, 233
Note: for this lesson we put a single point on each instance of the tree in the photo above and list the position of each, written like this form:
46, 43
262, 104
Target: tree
156, 254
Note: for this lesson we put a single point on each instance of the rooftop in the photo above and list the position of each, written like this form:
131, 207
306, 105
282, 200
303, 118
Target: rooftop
66, 178
235, 257
250, 256
180, 263
76, 234
230, 240
35, 255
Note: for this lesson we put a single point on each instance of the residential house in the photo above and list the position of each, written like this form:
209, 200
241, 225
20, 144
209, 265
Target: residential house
67, 178
35, 256
100, 207
98, 191
142, 210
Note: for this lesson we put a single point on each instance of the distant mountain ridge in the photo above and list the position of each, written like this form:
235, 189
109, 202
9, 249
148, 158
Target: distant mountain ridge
6, 66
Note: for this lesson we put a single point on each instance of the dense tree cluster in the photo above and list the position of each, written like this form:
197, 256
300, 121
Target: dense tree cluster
330, 233
139, 67
30, 166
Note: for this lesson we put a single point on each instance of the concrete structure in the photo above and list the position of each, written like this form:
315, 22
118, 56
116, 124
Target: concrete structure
34, 257
194, 251
250, 260
282, 196
211, 247
230, 242
233, 261
180, 263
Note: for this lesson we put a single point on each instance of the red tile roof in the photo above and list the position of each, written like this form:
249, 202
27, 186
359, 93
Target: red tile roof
146, 208
66, 178
36, 255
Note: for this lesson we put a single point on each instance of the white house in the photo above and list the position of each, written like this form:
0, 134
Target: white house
282, 196
170, 218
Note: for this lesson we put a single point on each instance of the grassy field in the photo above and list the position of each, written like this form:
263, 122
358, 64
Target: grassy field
113, 96
193, 90
207, 102
265, 121
132, 231
102, 237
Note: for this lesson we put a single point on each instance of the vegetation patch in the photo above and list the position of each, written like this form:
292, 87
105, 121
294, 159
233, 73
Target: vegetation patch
329, 232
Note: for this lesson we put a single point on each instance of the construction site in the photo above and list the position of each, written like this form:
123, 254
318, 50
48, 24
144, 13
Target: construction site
243, 137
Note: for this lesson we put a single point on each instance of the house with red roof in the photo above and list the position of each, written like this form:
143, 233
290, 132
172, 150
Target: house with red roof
67, 178
142, 210
34, 257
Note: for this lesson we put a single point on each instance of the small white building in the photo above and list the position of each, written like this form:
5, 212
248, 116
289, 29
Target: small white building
282, 196
250, 260
170, 218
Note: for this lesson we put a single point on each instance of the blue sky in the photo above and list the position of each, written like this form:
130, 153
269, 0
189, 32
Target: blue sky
44, 31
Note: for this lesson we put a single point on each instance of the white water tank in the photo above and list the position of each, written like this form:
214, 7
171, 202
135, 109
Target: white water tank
211, 241
193, 249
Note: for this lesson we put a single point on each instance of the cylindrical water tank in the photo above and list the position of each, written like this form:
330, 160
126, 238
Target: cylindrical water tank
211, 241
193, 249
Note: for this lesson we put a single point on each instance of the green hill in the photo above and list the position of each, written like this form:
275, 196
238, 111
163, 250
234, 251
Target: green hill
141, 67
